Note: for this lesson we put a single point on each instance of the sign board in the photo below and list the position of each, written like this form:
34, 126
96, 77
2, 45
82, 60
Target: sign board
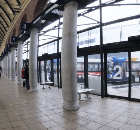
13, 39
5, 50
25, 26
9, 46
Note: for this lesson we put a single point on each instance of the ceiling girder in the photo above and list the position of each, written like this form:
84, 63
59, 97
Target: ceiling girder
2, 30
18, 2
2, 25
5, 13
4, 20
10, 7
1, 36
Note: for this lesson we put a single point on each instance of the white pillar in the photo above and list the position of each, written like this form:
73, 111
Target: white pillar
9, 64
4, 65
33, 59
13, 54
69, 57
19, 61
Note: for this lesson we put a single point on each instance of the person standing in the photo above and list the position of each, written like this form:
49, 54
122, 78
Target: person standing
0, 70
23, 76
27, 76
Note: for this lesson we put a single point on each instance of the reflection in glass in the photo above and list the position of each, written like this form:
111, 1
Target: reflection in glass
94, 73
80, 72
55, 72
48, 70
135, 74
42, 71
117, 74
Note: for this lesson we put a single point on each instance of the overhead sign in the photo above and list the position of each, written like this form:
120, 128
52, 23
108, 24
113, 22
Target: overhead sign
25, 26
5, 50
13, 39
9, 46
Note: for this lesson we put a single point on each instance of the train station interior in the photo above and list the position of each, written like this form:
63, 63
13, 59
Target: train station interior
69, 65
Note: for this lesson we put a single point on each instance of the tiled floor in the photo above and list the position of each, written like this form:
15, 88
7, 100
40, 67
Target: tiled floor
23, 110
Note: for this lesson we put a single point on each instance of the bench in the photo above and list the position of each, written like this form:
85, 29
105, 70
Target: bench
46, 83
84, 91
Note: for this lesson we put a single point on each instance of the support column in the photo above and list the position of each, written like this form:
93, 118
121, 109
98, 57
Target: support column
4, 65
13, 54
19, 62
9, 64
33, 59
69, 57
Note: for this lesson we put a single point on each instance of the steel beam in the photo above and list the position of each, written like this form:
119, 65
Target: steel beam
10, 6
5, 13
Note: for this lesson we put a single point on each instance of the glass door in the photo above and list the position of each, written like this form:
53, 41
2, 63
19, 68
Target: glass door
117, 74
42, 72
55, 72
135, 74
80, 72
94, 73
48, 71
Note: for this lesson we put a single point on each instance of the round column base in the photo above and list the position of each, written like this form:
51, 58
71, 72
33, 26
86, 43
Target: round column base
70, 105
33, 89
13, 79
20, 82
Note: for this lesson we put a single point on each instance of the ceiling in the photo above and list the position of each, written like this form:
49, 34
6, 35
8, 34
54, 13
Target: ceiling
8, 11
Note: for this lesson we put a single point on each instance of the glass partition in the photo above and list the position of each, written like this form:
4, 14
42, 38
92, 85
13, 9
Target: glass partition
135, 74
80, 72
117, 74
42, 71
48, 70
94, 73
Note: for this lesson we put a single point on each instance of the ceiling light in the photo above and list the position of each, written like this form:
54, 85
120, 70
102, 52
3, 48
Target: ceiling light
52, 1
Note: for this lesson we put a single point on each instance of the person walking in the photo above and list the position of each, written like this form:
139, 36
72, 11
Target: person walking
27, 76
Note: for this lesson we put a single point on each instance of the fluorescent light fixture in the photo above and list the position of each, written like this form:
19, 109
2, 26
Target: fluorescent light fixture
52, 1
36, 20
20, 35
50, 9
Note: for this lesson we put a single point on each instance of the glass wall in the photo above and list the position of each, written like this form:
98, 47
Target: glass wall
94, 73
48, 70
80, 72
42, 71
55, 71
117, 74
135, 74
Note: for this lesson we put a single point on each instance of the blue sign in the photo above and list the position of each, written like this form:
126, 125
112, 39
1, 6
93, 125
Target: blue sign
9, 46
25, 26
13, 39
